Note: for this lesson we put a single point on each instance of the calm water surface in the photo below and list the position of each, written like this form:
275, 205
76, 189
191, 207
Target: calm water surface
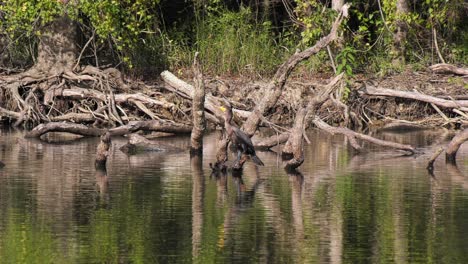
166, 208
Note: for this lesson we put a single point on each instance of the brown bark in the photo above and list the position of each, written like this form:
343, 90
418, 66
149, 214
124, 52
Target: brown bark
64, 127
275, 87
137, 143
373, 91
212, 103
432, 159
454, 145
448, 68
152, 125
102, 151
131, 127
57, 50
294, 149
198, 110
82, 93
221, 156
269, 142
399, 37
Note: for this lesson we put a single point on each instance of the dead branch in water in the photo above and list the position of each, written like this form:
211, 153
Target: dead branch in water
102, 151
73, 128
137, 143
454, 145
269, 142
432, 159
294, 149
198, 110
352, 136
131, 127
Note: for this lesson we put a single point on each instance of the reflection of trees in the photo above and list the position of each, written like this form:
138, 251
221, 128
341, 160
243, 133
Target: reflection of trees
198, 192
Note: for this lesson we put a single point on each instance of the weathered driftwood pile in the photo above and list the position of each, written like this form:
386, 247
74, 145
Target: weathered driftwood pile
68, 100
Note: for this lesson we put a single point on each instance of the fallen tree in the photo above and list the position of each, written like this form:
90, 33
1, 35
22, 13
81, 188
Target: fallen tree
131, 127
448, 68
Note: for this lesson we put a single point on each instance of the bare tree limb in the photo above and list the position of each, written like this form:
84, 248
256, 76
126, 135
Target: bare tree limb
448, 68
275, 87
198, 110
454, 145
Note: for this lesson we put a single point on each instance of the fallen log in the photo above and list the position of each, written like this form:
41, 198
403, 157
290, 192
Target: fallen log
269, 142
137, 144
373, 91
73, 128
448, 68
131, 127
78, 93
454, 145
212, 103
151, 125
352, 136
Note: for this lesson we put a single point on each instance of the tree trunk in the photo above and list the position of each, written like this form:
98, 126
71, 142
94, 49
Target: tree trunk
399, 37
198, 110
337, 5
57, 50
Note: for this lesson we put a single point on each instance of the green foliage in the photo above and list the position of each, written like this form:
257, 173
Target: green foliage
346, 61
314, 19
122, 22
231, 42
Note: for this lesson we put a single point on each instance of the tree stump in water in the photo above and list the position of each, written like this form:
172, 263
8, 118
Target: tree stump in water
103, 151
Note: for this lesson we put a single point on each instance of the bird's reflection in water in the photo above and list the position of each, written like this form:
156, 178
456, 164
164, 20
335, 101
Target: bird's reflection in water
245, 197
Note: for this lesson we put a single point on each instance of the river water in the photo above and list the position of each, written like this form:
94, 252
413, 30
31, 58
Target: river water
378, 206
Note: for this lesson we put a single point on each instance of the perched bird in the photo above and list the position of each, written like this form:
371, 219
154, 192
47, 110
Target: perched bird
241, 142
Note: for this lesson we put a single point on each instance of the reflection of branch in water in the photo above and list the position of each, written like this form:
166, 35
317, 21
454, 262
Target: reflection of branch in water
221, 187
102, 184
244, 200
198, 191
457, 176
296, 180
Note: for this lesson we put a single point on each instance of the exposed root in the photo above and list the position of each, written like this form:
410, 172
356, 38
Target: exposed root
91, 95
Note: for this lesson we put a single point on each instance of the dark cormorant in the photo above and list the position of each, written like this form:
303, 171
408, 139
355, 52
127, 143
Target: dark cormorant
242, 143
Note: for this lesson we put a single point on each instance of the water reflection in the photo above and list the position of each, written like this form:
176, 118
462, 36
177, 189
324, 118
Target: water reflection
166, 207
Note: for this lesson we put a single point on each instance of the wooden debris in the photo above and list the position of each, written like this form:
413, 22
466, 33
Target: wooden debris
352, 136
454, 145
460, 104
102, 151
432, 159
198, 110
276, 85
138, 144
448, 68
293, 149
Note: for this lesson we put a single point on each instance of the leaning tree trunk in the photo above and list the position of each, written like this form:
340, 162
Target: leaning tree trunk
57, 50
337, 5
399, 37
